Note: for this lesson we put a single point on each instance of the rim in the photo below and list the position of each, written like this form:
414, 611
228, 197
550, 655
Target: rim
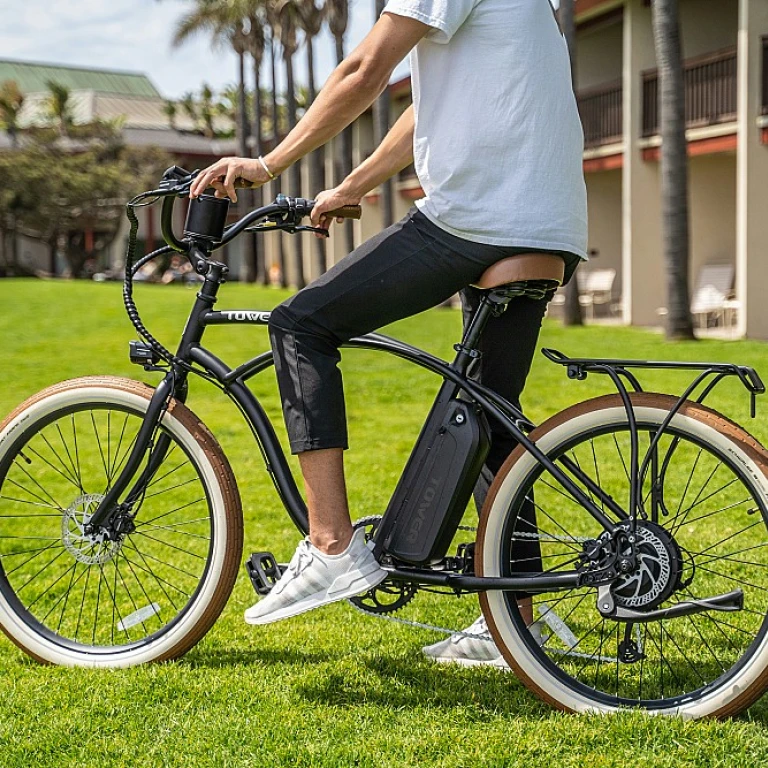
718, 522
68, 588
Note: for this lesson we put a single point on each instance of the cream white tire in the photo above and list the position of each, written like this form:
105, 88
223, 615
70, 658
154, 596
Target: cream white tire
736, 693
224, 504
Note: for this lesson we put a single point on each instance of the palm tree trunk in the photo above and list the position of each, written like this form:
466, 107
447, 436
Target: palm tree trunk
260, 271
316, 164
674, 167
381, 122
249, 256
277, 183
572, 308
298, 245
345, 161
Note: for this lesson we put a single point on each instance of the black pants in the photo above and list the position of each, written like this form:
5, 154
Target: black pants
409, 267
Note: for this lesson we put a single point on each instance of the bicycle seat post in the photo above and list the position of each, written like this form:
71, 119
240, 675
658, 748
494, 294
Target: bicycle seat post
466, 350
534, 275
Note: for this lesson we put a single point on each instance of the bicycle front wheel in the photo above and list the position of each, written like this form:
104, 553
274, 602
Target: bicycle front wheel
703, 532
75, 599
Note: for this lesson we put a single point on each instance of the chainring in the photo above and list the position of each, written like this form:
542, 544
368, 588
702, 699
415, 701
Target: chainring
389, 596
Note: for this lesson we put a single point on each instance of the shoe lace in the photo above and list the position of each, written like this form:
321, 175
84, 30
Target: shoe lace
302, 557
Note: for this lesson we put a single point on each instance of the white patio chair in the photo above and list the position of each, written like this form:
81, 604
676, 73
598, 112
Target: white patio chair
596, 289
714, 289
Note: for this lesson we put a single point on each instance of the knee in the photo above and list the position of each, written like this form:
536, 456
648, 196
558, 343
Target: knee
282, 320
298, 317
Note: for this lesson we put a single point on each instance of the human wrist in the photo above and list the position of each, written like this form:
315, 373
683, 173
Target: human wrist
275, 163
354, 187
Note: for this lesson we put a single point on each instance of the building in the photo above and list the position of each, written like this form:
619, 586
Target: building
128, 99
725, 45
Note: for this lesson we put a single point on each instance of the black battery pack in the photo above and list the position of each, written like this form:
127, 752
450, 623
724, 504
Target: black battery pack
436, 484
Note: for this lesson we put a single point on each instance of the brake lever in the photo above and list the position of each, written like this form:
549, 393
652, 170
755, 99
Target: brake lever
178, 181
317, 230
291, 229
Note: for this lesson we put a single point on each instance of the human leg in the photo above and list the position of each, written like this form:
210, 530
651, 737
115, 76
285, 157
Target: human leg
507, 348
402, 271
330, 527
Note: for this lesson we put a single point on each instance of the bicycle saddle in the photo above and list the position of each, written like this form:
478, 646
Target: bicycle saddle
524, 266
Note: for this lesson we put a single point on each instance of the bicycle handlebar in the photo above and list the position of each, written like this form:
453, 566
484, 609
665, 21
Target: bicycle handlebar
288, 210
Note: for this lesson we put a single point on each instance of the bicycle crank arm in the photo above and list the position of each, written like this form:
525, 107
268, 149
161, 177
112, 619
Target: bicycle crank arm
728, 603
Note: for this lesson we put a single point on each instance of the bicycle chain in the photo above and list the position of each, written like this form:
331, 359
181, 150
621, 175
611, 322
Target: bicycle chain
458, 632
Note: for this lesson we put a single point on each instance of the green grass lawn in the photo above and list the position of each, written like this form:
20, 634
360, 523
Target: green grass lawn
334, 687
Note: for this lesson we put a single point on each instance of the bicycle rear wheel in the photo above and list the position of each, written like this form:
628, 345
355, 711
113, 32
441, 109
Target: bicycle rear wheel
73, 599
704, 533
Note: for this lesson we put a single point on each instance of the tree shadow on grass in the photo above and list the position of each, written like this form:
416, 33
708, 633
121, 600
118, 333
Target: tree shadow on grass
217, 658
406, 682
411, 683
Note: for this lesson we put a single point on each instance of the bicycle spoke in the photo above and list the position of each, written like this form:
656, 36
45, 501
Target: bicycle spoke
177, 509
707, 514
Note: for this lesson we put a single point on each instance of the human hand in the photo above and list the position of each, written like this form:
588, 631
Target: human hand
330, 200
228, 173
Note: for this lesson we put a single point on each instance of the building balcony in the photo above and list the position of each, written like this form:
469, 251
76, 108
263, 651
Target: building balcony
602, 114
711, 92
765, 75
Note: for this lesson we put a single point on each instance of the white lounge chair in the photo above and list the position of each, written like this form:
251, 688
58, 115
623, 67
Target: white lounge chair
596, 289
713, 294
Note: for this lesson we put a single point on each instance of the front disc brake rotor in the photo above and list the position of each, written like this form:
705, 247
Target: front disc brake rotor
91, 549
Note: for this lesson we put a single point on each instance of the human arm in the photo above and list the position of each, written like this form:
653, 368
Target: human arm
393, 154
351, 89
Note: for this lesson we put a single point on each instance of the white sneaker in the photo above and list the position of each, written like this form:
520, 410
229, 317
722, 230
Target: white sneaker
313, 578
475, 651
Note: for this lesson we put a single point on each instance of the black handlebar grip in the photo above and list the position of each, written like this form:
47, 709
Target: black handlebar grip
345, 212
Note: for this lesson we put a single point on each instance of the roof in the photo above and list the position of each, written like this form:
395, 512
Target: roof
178, 142
32, 77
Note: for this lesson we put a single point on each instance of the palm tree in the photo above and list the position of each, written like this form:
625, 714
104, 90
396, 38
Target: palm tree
11, 102
256, 44
337, 13
170, 110
189, 105
572, 309
277, 184
311, 22
381, 122
59, 106
223, 20
674, 167
287, 18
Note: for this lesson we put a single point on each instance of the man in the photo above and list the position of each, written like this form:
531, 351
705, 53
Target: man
496, 139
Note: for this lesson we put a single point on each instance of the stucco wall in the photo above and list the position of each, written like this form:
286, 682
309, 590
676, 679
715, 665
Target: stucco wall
708, 25
605, 229
599, 56
713, 211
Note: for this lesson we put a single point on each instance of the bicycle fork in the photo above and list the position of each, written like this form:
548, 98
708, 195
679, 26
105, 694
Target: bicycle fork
113, 516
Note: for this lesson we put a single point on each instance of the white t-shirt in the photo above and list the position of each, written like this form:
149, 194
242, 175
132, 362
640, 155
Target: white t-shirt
498, 143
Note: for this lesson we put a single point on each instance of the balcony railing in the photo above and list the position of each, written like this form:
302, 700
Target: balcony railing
710, 92
602, 114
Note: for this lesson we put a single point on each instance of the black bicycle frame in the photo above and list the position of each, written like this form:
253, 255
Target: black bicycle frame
233, 383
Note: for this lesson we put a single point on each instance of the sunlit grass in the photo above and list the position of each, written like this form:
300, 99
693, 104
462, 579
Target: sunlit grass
333, 687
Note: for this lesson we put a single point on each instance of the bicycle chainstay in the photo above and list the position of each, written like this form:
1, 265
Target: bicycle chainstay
359, 605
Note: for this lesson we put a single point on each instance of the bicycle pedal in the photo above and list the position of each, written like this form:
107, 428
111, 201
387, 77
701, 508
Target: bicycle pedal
264, 571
